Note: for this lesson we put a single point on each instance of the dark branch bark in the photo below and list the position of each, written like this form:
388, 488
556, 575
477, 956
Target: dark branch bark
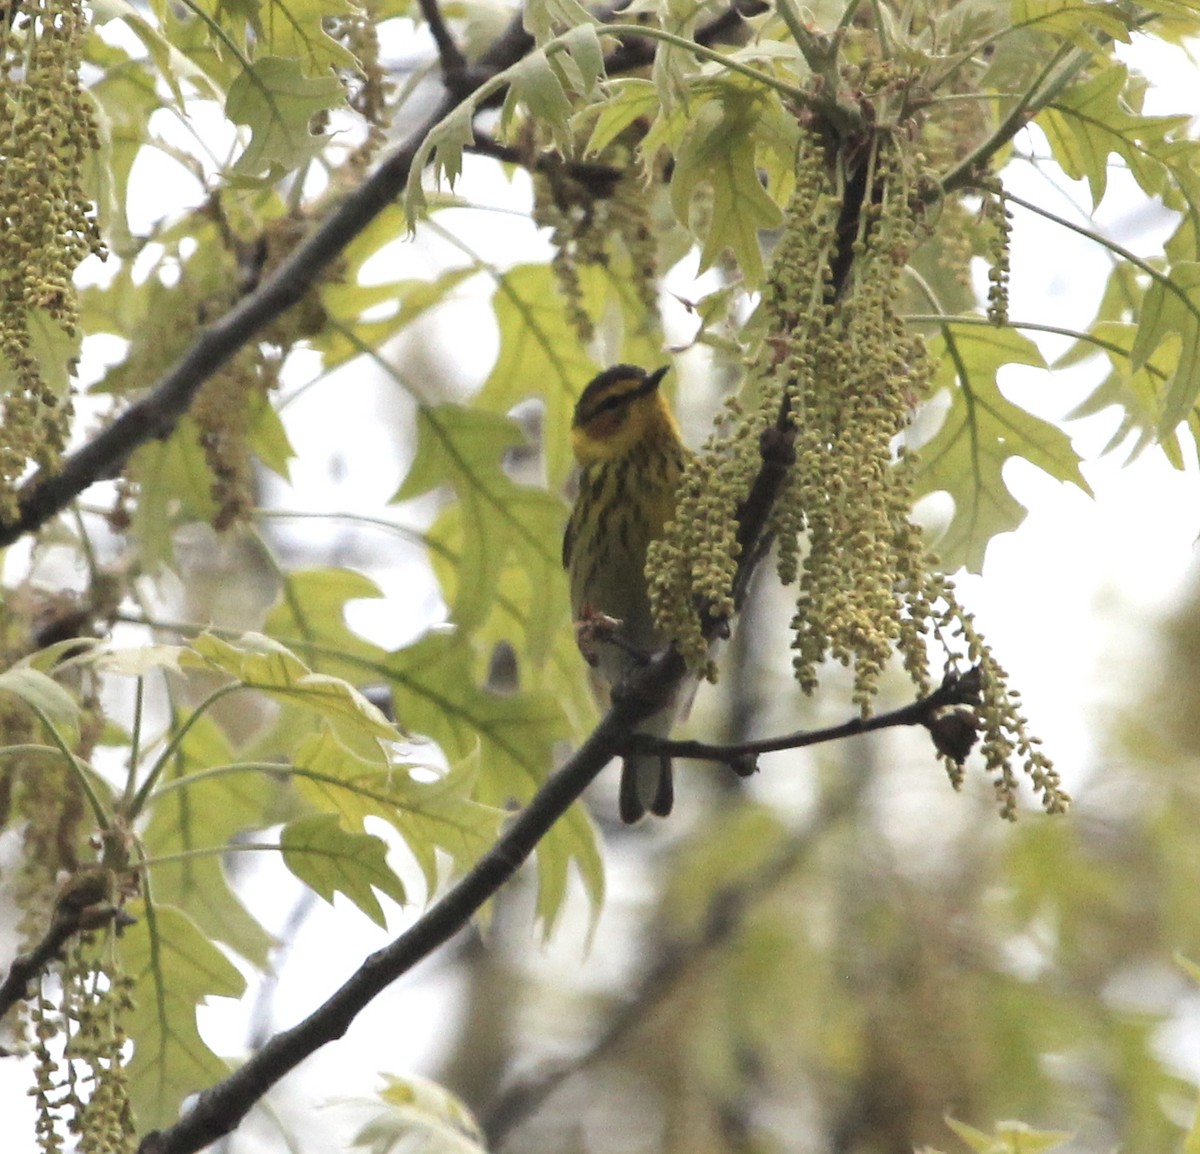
82, 906
954, 690
222, 1107
219, 1109
454, 63
156, 413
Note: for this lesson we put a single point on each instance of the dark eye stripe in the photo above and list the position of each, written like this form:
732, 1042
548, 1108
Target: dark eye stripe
620, 394
614, 401
613, 388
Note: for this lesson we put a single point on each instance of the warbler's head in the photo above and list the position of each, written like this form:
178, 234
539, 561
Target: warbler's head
619, 409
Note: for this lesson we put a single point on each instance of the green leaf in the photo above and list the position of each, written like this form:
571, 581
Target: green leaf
261, 663
542, 18
407, 300
126, 96
540, 357
629, 100
441, 152
514, 734
175, 484
1136, 394
1172, 310
284, 28
45, 695
265, 434
430, 815
278, 102
419, 1114
204, 815
503, 522
329, 859
523, 602
982, 431
296, 29
1009, 1138
171, 65
1074, 21
313, 609
535, 85
175, 968
582, 58
716, 142
1093, 119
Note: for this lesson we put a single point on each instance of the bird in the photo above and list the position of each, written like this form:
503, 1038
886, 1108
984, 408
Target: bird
630, 457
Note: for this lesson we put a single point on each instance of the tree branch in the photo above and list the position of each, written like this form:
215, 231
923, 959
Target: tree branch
454, 63
219, 1109
155, 414
82, 905
955, 690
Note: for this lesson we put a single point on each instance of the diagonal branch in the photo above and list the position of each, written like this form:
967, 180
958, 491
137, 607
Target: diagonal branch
219, 1109
454, 63
156, 413
82, 905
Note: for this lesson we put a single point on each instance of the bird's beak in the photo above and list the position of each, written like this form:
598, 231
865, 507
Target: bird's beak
654, 380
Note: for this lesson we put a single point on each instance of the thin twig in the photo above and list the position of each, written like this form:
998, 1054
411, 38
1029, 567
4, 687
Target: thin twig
954, 690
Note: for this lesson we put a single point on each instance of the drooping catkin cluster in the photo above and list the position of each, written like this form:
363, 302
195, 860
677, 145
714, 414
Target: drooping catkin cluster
594, 212
369, 88
996, 213
81, 1086
47, 225
692, 568
837, 367
853, 382
1005, 731
231, 258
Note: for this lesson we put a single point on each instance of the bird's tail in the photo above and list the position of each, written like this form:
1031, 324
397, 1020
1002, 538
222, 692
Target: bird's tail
647, 783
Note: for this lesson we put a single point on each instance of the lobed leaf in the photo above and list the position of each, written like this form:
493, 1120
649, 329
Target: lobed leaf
981, 432
175, 969
278, 102
193, 824
330, 859
261, 663
431, 815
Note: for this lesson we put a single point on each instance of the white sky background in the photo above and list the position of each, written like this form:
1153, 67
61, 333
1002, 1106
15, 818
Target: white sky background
1069, 602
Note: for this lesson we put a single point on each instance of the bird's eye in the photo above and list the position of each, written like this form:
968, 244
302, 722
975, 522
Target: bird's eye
613, 401
608, 404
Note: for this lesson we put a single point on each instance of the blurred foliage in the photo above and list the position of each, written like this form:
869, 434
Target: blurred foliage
183, 679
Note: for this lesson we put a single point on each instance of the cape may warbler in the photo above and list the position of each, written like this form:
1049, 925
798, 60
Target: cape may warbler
630, 456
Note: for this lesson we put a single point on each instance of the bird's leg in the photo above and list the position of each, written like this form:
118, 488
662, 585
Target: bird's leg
595, 628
